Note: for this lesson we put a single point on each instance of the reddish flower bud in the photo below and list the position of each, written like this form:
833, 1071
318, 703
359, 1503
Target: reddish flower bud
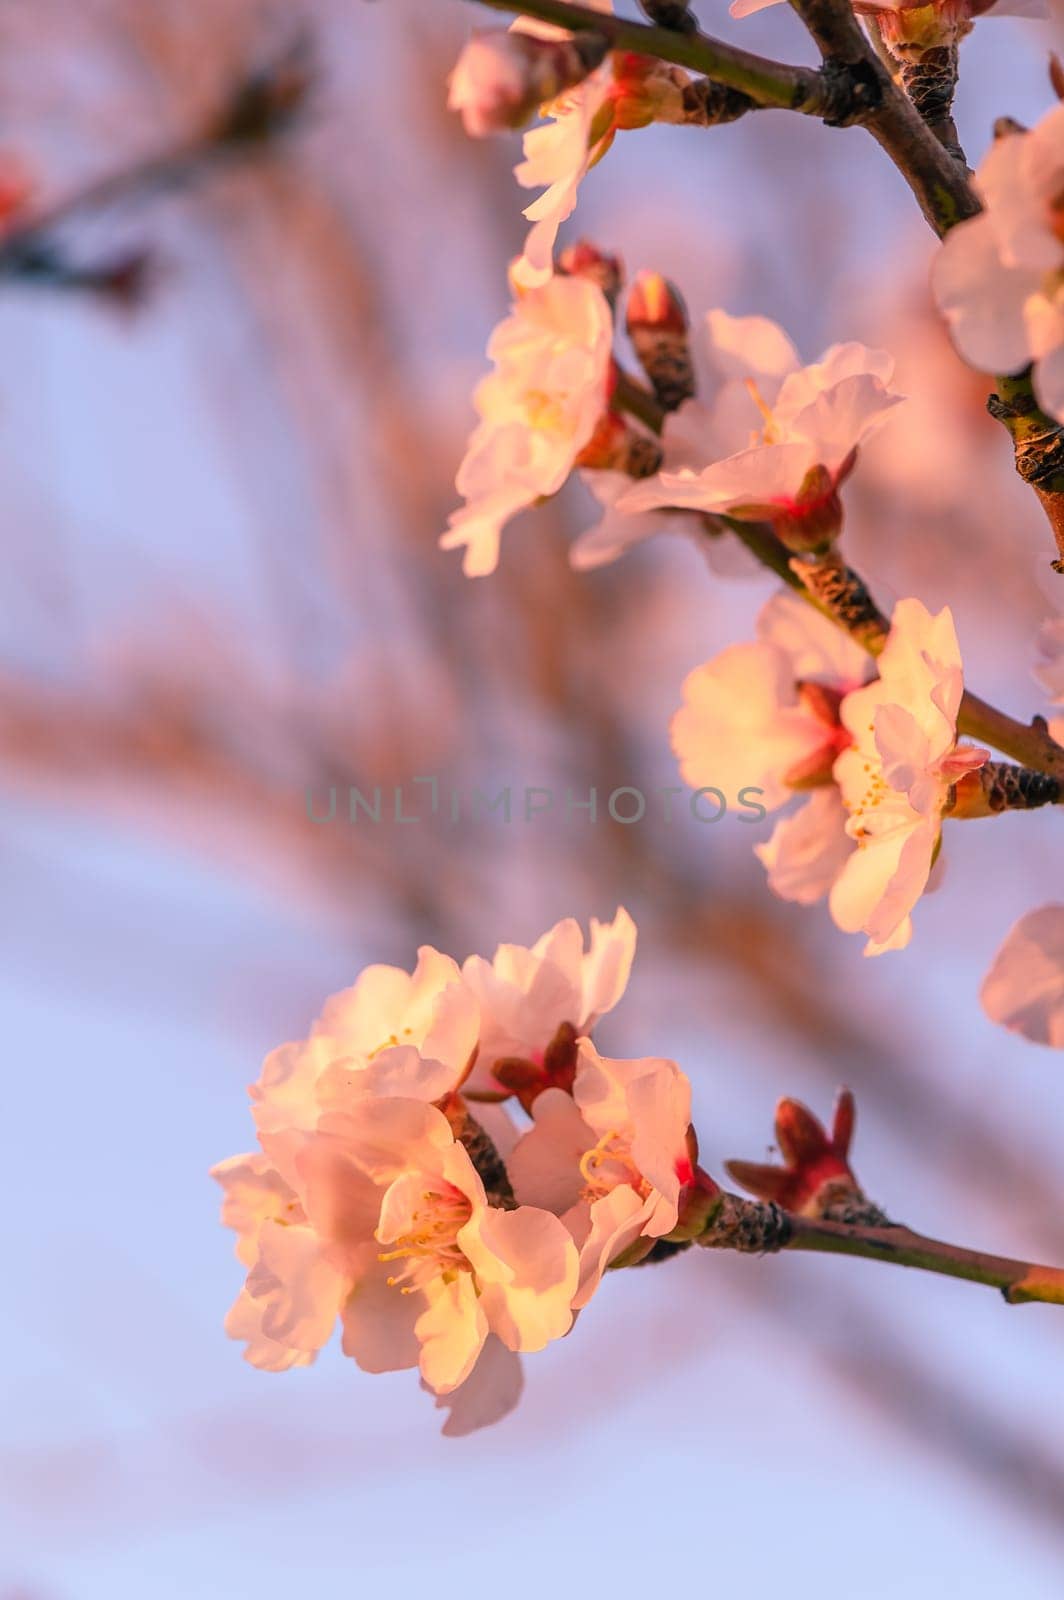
817, 1175
615, 446
657, 326
586, 260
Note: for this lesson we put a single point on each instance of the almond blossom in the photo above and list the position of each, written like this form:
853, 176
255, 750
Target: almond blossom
538, 410
768, 439
998, 278
764, 717
388, 1227
502, 76
612, 1159
897, 777
412, 1034
627, 91
1024, 989
527, 996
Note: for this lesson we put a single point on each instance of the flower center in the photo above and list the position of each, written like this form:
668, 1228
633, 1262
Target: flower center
429, 1244
609, 1164
770, 433
543, 411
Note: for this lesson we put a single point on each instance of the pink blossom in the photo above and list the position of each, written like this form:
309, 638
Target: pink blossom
538, 409
389, 1228
896, 777
526, 995
392, 1032
767, 438
1024, 989
612, 1160
998, 278
765, 717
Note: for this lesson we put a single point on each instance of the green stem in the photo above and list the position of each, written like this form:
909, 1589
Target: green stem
1018, 1281
770, 83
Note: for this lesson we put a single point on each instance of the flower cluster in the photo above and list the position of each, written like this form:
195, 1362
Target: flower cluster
401, 1191
760, 438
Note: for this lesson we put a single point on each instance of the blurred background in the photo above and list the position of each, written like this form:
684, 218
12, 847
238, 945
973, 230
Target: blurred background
241, 345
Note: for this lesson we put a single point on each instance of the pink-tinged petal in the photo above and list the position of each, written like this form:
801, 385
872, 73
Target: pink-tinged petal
253, 1192
358, 1020
285, 1095
477, 528
902, 745
806, 851
451, 1332
244, 1321
526, 1267
815, 648
770, 473
492, 1389
617, 1220
749, 347
881, 883
342, 1200
741, 727
1010, 177
607, 966
982, 299
379, 1320
615, 532
300, 1290
659, 1105
544, 1165
841, 417
1024, 989
385, 1137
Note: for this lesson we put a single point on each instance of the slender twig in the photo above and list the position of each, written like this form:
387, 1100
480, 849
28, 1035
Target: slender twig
757, 1227
852, 87
1018, 1281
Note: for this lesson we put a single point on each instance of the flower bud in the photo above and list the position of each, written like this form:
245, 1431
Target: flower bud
657, 326
645, 90
586, 260
1001, 786
816, 1179
501, 77
615, 446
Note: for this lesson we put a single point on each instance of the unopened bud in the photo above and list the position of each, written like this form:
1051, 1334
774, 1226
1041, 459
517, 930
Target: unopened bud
1001, 786
657, 326
586, 260
816, 1179
502, 78
645, 90
615, 446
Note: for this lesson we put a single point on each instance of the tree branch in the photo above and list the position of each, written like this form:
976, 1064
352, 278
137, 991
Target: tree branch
852, 87
759, 1227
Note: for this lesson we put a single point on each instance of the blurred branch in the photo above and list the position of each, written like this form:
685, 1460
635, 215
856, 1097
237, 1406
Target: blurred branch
261, 108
